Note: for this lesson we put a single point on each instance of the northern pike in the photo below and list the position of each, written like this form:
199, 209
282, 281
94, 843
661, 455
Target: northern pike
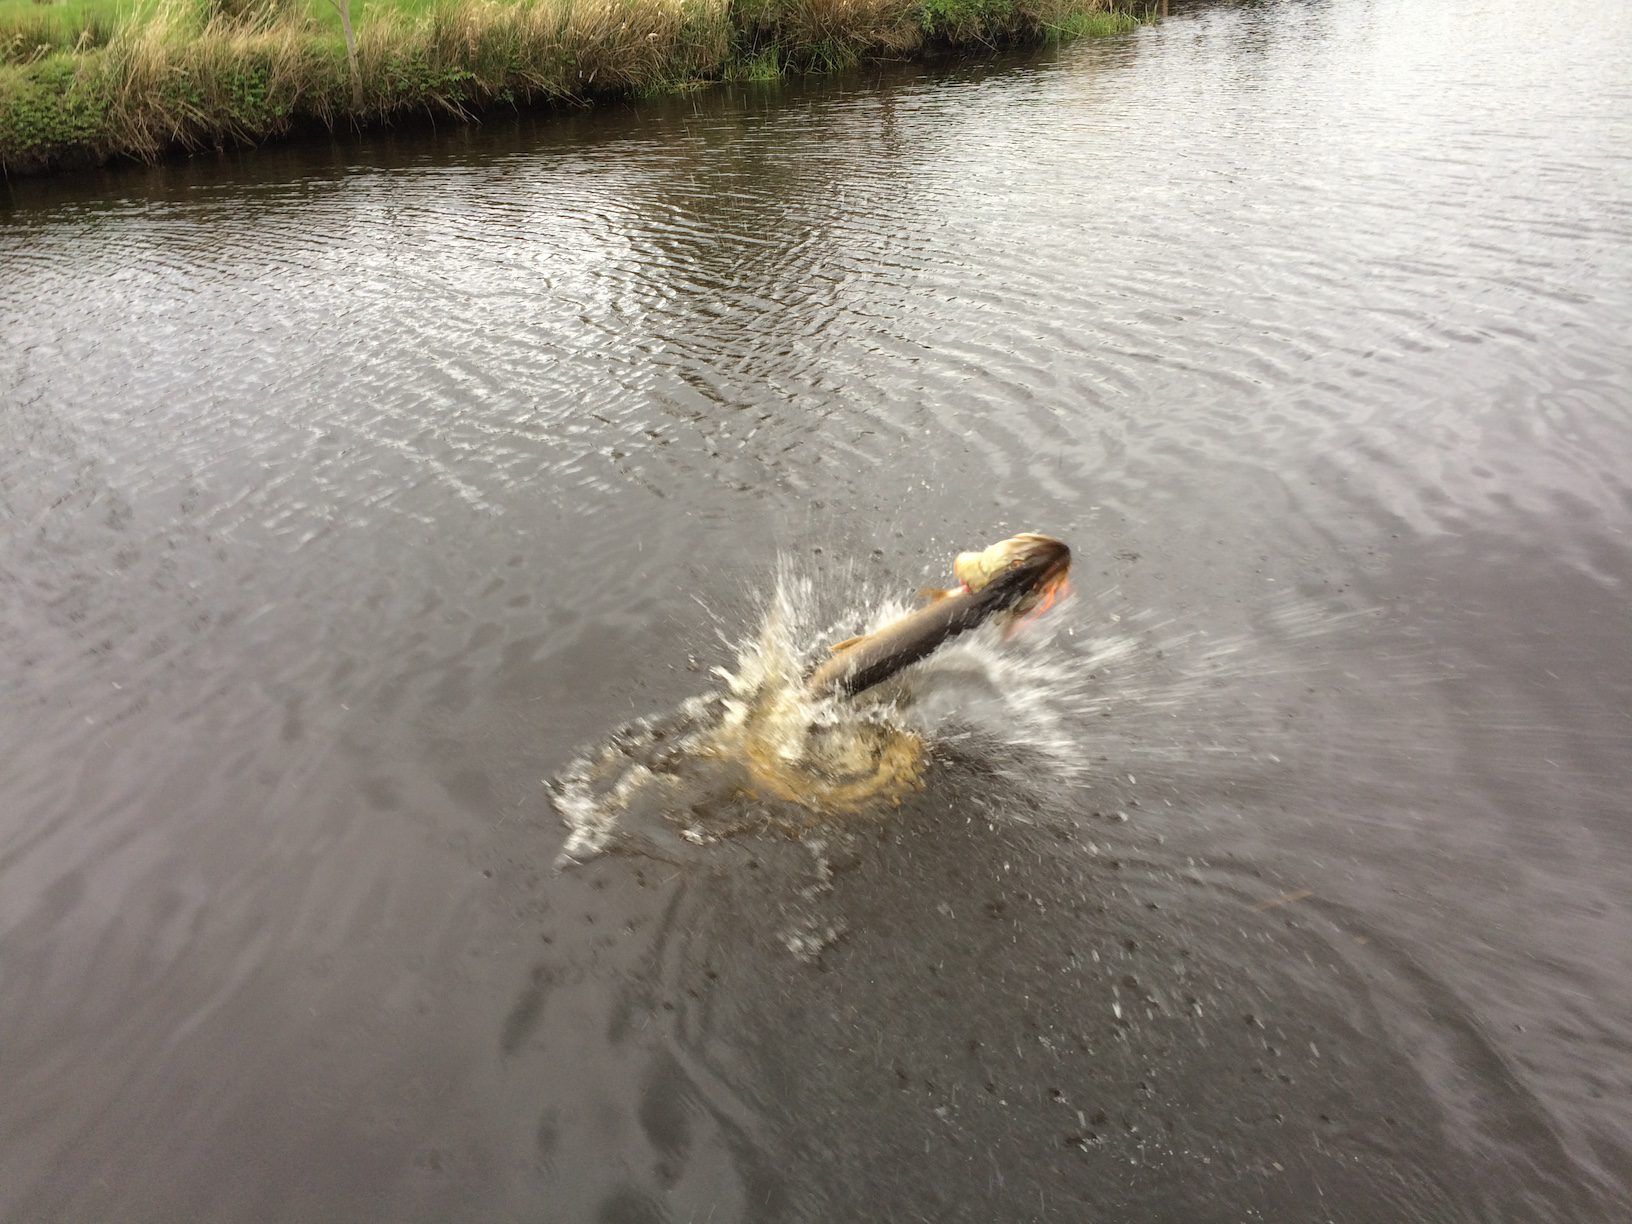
1015, 578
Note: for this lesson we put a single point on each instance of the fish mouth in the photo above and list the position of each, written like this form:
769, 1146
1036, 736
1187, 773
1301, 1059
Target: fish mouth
1030, 564
1055, 586
1052, 584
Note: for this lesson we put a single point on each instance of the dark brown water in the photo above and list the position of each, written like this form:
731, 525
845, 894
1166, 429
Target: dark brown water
350, 491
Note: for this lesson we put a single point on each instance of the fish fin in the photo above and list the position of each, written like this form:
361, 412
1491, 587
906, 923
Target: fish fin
846, 644
933, 595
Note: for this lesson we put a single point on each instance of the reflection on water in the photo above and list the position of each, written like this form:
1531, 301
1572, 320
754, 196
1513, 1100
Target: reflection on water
352, 489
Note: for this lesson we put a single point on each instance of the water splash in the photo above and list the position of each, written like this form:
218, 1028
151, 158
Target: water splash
762, 752
1096, 708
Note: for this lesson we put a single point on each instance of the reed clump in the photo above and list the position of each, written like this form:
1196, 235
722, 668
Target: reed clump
196, 74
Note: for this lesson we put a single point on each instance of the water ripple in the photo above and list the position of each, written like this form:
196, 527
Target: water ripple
349, 487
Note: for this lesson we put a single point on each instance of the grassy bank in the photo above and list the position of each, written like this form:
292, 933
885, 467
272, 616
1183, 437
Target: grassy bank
85, 80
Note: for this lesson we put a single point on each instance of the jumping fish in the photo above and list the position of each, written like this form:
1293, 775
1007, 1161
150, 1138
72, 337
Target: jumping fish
1015, 578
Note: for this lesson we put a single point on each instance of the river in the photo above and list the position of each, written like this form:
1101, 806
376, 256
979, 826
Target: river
353, 488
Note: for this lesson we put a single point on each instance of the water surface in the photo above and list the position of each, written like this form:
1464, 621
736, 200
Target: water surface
352, 488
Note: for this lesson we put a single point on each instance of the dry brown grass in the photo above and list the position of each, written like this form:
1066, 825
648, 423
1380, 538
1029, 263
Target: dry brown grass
170, 83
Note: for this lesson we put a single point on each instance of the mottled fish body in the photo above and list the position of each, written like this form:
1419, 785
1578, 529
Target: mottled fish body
1010, 577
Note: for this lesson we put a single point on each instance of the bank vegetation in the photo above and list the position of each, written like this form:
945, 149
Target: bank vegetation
82, 81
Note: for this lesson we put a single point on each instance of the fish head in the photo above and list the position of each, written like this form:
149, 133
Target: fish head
1026, 573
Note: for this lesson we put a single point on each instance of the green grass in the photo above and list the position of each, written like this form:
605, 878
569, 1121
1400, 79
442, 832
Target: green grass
26, 26
327, 16
1090, 24
63, 24
765, 65
29, 29
84, 80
